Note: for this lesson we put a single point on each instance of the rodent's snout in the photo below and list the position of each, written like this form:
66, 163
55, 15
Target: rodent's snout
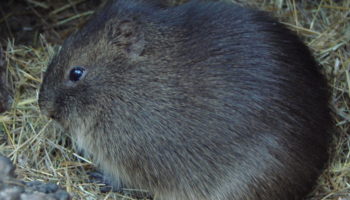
46, 106
43, 109
48, 113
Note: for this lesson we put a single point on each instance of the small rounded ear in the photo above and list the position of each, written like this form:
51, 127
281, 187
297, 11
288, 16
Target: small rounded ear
127, 34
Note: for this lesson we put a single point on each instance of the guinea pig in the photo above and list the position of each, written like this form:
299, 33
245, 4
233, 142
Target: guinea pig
201, 101
5, 95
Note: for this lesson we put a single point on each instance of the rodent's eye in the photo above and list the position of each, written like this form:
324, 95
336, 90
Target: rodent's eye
76, 73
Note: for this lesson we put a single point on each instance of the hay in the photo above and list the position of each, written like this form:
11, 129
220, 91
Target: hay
42, 152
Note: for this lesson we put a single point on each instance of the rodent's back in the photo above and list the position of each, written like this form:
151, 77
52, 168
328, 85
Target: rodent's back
236, 94
213, 101
251, 88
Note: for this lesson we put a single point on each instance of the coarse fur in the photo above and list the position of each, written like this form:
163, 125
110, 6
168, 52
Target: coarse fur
202, 101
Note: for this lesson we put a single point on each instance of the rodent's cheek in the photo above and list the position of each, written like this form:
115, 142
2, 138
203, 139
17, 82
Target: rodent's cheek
66, 110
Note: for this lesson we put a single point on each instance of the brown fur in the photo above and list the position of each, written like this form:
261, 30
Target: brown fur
194, 102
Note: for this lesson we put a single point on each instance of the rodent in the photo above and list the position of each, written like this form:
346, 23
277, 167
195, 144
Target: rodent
5, 93
201, 101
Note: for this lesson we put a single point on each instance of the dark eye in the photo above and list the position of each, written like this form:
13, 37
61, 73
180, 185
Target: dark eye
76, 73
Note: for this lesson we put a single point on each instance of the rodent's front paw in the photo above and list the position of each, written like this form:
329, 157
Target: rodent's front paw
110, 184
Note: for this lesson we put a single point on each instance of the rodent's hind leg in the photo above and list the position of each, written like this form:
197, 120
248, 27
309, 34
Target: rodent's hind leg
110, 184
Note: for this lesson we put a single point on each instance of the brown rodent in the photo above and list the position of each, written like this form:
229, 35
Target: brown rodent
5, 95
202, 101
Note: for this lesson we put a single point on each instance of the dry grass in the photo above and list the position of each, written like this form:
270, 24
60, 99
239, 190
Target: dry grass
43, 152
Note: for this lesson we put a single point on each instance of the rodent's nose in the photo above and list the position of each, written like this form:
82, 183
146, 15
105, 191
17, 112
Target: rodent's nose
48, 113
46, 108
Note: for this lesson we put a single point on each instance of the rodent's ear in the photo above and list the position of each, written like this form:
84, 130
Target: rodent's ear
128, 36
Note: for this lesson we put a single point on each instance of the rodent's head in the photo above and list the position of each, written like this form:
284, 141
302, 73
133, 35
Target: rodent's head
82, 79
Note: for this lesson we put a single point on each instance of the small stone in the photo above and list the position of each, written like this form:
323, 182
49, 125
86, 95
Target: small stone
7, 169
33, 183
42, 187
11, 193
32, 186
14, 189
61, 195
35, 196
10, 183
49, 188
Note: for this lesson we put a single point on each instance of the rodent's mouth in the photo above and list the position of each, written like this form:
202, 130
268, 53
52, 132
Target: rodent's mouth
52, 115
64, 124
60, 123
